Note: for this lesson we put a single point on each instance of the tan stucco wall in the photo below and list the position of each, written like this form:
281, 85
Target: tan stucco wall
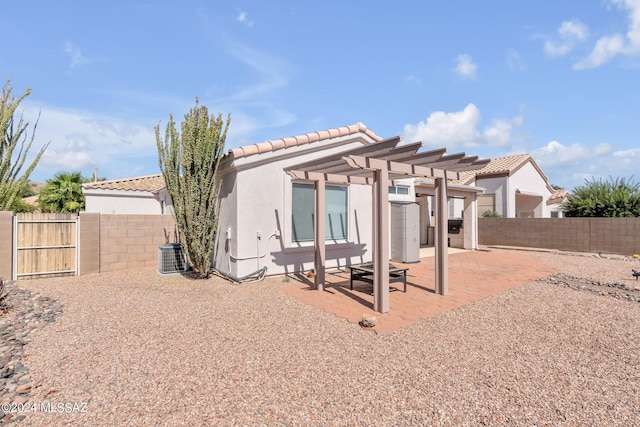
260, 201
606, 235
122, 202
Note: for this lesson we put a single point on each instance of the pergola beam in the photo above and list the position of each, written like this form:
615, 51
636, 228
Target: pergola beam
329, 177
478, 164
397, 167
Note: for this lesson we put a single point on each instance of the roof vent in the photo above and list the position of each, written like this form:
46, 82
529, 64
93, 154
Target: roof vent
171, 259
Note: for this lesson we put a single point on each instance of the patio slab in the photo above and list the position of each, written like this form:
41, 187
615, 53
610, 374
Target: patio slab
473, 276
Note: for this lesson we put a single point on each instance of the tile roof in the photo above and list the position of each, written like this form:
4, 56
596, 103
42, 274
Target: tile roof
557, 197
277, 144
503, 166
141, 183
498, 166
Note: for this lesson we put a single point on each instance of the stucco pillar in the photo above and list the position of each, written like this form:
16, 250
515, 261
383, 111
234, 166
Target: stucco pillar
89, 247
381, 241
470, 218
441, 240
6, 245
319, 234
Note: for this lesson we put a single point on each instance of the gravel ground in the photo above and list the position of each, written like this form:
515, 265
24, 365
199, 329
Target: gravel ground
139, 349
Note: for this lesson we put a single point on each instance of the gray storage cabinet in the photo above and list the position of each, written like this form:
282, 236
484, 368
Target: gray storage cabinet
405, 232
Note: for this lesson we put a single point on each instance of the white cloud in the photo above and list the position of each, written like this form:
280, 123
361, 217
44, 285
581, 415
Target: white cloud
498, 134
442, 129
570, 34
460, 130
254, 99
515, 61
412, 79
606, 48
243, 18
75, 55
631, 155
465, 67
570, 165
611, 45
81, 141
272, 72
68, 161
555, 153
574, 163
627, 159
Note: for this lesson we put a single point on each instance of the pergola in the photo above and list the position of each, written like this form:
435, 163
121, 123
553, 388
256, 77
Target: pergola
378, 165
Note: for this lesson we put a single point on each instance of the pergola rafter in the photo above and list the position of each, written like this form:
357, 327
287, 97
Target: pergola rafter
378, 165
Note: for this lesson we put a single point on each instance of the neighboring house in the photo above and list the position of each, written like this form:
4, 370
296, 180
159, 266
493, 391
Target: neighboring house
555, 201
266, 218
515, 187
139, 195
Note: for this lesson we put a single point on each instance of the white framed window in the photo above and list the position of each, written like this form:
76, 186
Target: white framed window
302, 211
399, 189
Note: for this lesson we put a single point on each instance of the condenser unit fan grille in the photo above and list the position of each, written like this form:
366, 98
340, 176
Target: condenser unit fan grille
171, 259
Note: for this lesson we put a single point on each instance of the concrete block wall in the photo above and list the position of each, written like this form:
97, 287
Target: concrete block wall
6, 244
606, 235
131, 241
89, 243
107, 242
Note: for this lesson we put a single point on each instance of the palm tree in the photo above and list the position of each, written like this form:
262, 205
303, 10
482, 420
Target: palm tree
63, 193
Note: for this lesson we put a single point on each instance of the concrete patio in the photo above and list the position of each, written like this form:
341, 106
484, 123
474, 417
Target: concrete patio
473, 276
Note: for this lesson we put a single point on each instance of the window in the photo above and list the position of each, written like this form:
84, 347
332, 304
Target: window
302, 209
399, 189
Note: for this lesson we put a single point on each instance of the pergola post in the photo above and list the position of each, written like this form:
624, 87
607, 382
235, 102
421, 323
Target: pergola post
319, 233
470, 218
441, 240
381, 240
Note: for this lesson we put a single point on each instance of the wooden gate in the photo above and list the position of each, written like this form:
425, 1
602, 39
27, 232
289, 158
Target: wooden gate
45, 245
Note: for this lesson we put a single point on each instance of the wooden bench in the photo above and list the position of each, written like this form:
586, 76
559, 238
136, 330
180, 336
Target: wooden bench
364, 272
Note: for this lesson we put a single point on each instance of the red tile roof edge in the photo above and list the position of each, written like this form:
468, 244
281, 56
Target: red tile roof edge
292, 141
139, 183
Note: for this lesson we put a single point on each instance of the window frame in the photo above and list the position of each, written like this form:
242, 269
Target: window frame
393, 189
330, 235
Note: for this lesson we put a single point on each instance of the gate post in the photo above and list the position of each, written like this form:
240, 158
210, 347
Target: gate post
6, 245
89, 243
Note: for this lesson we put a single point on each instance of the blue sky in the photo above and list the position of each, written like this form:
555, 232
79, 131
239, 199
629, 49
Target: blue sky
557, 79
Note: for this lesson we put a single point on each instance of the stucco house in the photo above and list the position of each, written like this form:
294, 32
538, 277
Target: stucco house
266, 217
515, 187
138, 195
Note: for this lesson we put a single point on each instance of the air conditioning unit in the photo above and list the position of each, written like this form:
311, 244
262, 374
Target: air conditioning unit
171, 259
